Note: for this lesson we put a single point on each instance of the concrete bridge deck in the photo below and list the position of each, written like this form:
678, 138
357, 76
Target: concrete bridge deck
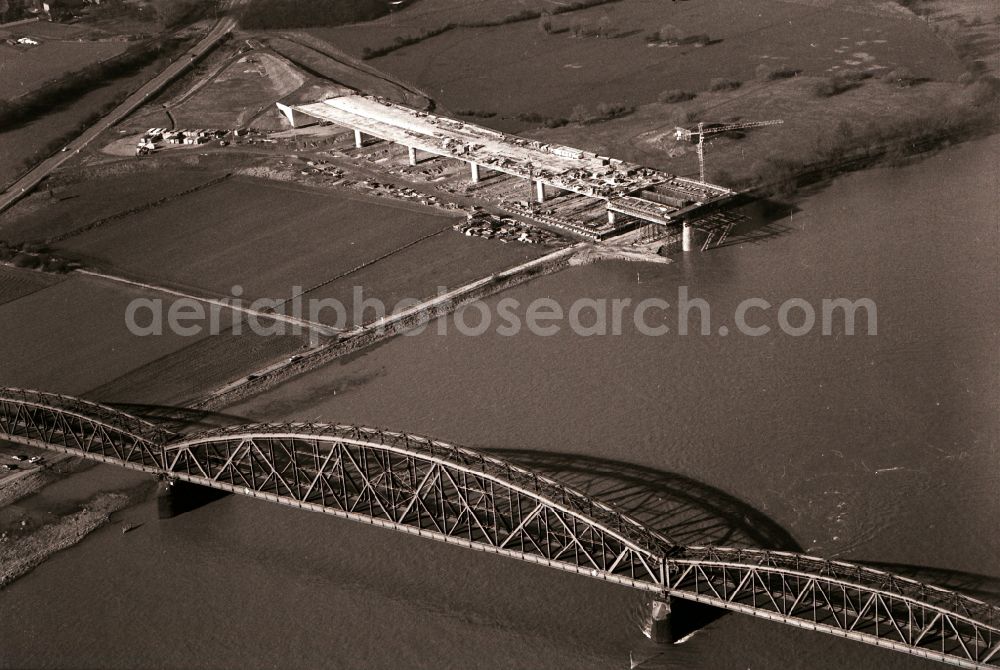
617, 182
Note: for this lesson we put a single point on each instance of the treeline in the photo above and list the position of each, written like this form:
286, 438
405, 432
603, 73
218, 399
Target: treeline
522, 15
851, 147
74, 84
279, 14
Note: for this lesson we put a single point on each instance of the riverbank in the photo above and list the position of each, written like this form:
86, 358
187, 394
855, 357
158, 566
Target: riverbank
20, 554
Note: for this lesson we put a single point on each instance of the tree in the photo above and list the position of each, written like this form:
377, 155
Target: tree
579, 114
545, 23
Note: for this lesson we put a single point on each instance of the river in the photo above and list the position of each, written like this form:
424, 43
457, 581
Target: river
875, 448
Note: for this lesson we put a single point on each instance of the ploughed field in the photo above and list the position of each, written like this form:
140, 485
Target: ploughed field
71, 337
264, 236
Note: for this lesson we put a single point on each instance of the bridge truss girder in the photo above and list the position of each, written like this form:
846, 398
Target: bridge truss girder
460, 496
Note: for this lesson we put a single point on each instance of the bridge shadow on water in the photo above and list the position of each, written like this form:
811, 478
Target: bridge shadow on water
685, 510
179, 419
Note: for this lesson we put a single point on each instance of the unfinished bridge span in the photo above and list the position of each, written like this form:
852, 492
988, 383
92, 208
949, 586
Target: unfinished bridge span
460, 496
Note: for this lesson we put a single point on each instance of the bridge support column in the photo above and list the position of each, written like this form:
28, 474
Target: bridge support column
660, 628
687, 237
413, 155
539, 191
358, 139
474, 170
611, 217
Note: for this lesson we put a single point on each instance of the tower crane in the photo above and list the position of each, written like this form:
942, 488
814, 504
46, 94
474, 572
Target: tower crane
687, 134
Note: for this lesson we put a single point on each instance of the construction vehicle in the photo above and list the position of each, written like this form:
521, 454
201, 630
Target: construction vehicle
701, 131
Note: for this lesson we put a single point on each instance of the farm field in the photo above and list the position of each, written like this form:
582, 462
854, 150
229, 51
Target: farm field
24, 69
549, 74
184, 374
24, 142
82, 201
71, 337
16, 283
264, 236
449, 260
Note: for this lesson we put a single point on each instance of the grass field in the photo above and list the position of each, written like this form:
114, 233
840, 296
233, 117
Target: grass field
24, 142
25, 69
518, 69
647, 136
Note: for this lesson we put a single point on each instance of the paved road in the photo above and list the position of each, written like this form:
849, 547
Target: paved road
25, 184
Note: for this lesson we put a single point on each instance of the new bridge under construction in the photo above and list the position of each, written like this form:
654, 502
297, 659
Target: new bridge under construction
642, 194
457, 495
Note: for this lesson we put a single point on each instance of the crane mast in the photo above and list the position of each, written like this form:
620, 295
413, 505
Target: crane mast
688, 134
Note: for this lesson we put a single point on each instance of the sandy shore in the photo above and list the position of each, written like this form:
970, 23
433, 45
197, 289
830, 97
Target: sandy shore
19, 556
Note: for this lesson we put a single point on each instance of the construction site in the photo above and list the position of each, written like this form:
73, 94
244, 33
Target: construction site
586, 194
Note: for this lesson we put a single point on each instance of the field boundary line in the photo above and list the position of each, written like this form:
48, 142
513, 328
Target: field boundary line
276, 316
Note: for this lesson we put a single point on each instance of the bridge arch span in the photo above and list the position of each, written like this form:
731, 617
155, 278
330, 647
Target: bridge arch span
455, 494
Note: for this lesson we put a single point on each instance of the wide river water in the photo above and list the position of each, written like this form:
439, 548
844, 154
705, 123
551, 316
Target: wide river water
876, 448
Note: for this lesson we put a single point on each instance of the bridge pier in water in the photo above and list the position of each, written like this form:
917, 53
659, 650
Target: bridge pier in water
833, 597
661, 622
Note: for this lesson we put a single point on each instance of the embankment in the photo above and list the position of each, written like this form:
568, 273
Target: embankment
387, 327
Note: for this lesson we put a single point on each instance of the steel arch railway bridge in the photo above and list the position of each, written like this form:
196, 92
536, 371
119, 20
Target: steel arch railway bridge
464, 497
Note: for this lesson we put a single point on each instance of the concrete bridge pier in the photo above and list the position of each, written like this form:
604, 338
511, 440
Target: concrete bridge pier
660, 623
687, 237
611, 217
358, 139
539, 191
413, 155
474, 168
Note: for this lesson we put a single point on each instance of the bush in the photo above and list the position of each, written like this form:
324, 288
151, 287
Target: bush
773, 72
676, 95
545, 23
723, 84
901, 76
23, 260
56, 265
838, 83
